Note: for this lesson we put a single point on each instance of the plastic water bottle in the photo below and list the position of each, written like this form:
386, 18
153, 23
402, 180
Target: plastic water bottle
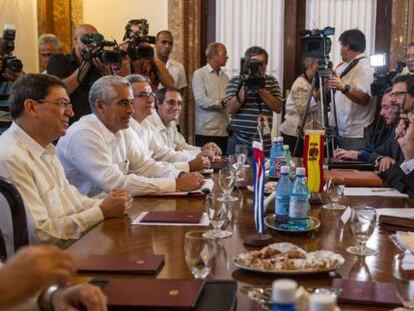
276, 157
299, 202
288, 159
284, 295
283, 190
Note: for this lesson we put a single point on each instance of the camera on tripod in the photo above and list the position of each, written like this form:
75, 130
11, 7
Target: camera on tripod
316, 42
136, 32
383, 79
9, 60
97, 47
250, 75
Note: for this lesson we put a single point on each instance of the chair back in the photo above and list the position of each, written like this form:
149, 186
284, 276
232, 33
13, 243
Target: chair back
18, 215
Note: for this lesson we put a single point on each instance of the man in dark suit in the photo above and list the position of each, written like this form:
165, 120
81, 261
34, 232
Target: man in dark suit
401, 177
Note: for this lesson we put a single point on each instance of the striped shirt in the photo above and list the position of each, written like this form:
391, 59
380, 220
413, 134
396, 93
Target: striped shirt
244, 121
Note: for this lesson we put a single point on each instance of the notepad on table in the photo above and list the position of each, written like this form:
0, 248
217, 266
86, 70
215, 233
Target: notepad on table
171, 218
378, 192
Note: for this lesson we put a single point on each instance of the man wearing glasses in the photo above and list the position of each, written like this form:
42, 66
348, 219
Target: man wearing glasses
401, 177
145, 138
56, 211
98, 153
209, 84
248, 108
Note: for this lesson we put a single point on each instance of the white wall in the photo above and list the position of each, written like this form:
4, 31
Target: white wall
22, 14
110, 16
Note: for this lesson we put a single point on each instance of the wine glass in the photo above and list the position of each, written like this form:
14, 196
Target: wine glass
241, 152
363, 221
226, 181
199, 253
218, 214
334, 188
403, 273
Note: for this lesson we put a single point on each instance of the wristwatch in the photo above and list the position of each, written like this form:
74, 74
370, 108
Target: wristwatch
346, 89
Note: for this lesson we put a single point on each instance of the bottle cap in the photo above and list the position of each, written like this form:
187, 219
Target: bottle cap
322, 302
284, 291
286, 147
300, 171
280, 139
285, 169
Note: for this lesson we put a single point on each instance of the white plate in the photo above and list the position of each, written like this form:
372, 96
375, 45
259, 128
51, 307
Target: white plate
238, 262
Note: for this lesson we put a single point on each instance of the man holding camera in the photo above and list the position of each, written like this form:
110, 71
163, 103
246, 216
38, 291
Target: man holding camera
209, 85
78, 74
355, 107
249, 107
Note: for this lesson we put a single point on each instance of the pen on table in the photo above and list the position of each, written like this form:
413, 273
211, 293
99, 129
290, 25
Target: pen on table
381, 190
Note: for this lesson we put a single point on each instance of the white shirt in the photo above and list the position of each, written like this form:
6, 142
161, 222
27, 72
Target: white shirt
145, 140
177, 72
353, 118
96, 160
55, 209
170, 136
211, 118
407, 166
296, 104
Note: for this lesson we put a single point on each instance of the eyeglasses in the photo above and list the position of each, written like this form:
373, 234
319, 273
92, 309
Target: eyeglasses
398, 94
409, 56
144, 94
173, 102
63, 104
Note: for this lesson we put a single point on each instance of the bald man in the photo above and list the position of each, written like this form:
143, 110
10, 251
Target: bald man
78, 75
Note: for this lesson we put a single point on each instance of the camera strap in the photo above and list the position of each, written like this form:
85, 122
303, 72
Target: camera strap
350, 66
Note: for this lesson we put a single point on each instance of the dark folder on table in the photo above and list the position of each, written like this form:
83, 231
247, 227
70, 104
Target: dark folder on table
350, 164
153, 293
405, 222
173, 217
123, 263
365, 292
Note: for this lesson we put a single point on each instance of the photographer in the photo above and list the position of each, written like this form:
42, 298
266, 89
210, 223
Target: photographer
141, 54
78, 80
355, 109
248, 107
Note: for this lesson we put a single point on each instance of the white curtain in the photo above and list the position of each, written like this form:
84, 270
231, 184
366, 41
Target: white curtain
343, 15
241, 24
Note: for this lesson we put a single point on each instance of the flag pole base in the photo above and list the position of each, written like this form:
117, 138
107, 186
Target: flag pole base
257, 240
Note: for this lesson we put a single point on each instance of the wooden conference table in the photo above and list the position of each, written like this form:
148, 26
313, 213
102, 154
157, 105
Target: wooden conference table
118, 235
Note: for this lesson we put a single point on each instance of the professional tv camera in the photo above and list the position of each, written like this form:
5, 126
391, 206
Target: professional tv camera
97, 47
7, 47
250, 75
136, 34
383, 81
316, 42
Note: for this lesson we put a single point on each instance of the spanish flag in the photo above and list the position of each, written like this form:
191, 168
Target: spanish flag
313, 156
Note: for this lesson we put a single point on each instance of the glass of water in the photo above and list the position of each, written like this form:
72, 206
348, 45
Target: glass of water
334, 188
227, 178
199, 253
241, 152
218, 214
363, 220
403, 273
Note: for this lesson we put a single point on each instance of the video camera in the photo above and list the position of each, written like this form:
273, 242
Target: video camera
136, 32
383, 81
9, 61
97, 47
251, 76
316, 42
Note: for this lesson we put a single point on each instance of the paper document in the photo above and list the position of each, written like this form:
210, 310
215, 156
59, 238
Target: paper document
137, 221
377, 192
396, 212
206, 188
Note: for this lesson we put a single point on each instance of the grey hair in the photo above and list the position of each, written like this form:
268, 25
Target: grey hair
136, 78
48, 38
212, 48
105, 89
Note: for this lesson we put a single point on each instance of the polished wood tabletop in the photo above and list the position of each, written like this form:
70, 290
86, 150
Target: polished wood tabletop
119, 235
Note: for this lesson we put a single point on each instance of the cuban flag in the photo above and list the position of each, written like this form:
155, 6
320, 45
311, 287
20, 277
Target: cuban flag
258, 179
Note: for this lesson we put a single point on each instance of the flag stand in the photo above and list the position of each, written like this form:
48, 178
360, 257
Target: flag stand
260, 238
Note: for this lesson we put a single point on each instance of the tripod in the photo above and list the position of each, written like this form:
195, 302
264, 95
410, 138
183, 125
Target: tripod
331, 132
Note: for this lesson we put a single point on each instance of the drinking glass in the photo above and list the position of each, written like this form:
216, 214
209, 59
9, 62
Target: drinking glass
199, 253
242, 152
226, 181
217, 213
403, 273
334, 188
363, 221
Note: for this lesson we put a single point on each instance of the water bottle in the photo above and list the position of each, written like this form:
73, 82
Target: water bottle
288, 159
276, 157
299, 202
283, 190
322, 302
284, 295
